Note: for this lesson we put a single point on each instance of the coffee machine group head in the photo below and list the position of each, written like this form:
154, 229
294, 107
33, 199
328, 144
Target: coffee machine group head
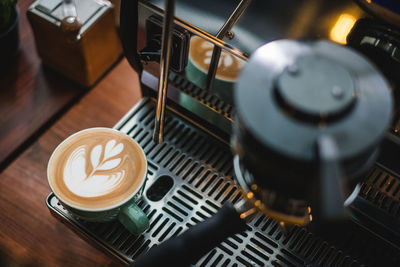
310, 116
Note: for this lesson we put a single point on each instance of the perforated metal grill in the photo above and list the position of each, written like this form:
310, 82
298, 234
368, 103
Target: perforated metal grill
201, 168
383, 190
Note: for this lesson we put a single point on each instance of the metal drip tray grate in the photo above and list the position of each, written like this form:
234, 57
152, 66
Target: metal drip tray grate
201, 168
383, 191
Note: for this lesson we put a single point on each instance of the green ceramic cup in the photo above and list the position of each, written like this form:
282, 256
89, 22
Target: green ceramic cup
125, 210
229, 67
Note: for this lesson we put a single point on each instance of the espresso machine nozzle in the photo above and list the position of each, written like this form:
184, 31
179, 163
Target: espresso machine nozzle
164, 67
310, 117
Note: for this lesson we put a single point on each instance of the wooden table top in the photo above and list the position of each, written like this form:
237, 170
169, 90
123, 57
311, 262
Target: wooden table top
29, 234
31, 95
38, 109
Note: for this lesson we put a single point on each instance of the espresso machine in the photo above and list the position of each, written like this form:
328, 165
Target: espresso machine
301, 152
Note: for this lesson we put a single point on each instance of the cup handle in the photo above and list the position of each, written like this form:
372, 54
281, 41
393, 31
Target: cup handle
133, 218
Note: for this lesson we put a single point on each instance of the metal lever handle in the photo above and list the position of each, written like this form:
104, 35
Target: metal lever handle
232, 20
328, 204
164, 67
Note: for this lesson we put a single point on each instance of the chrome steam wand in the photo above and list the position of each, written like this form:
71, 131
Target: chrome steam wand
164, 67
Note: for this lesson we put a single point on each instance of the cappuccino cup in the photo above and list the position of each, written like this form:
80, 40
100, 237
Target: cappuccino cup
98, 174
229, 67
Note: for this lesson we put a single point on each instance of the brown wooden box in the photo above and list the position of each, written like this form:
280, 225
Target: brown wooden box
84, 60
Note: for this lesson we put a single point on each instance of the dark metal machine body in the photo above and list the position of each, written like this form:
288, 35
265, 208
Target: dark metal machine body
191, 173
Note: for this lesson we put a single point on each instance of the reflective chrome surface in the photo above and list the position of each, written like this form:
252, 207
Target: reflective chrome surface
165, 57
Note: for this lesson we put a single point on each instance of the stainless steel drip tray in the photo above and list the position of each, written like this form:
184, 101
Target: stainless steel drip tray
201, 169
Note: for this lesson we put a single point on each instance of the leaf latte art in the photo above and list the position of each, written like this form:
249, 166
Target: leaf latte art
105, 174
97, 169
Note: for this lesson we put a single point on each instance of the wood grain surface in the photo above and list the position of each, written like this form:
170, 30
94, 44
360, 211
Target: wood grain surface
31, 95
29, 234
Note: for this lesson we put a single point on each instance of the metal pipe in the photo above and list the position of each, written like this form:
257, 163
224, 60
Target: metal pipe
232, 20
164, 67
199, 32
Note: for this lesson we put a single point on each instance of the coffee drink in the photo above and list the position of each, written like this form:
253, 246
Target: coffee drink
96, 169
200, 53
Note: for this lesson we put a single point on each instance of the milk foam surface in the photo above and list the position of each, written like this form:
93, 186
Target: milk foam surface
94, 184
96, 168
